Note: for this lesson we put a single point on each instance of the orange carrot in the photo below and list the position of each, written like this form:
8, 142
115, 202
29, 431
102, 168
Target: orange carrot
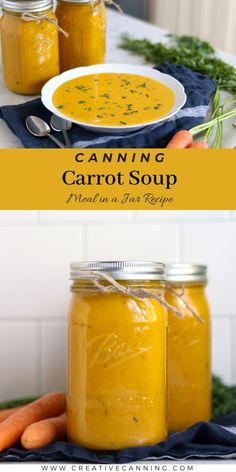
44, 432
181, 140
11, 429
199, 145
4, 414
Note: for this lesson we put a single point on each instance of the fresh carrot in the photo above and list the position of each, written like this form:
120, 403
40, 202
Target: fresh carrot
181, 140
11, 429
4, 414
44, 432
199, 145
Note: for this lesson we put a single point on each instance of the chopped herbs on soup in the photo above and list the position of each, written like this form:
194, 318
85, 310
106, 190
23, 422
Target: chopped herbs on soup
140, 100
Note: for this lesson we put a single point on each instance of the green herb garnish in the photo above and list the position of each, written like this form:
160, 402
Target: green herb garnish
18, 402
190, 51
82, 87
223, 397
215, 121
131, 112
143, 85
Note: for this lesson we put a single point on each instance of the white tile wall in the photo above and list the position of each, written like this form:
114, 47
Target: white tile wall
18, 216
53, 357
182, 215
158, 242
34, 269
215, 245
18, 359
36, 249
80, 216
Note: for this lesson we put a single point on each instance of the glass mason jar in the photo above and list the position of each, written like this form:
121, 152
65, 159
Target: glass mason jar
117, 357
85, 23
189, 347
29, 46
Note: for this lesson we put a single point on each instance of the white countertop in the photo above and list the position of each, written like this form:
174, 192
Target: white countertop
117, 25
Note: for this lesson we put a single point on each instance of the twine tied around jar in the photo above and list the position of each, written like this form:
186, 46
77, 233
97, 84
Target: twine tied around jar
27, 16
180, 295
116, 5
114, 286
109, 3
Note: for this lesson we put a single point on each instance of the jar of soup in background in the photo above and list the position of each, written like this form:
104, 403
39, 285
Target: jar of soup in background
29, 46
117, 357
189, 347
85, 23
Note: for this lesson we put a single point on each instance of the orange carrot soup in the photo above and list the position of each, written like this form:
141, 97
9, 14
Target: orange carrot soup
114, 99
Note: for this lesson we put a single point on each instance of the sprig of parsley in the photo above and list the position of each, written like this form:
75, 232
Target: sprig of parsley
189, 51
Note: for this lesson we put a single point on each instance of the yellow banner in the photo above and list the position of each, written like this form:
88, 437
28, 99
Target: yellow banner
117, 179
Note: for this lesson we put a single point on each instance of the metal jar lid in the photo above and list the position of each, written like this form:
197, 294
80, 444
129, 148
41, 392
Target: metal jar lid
119, 270
78, 1
22, 6
186, 273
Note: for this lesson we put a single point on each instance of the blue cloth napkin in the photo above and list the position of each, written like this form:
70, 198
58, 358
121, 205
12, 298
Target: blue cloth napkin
198, 87
202, 440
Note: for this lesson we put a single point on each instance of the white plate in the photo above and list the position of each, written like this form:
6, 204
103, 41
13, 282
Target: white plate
50, 87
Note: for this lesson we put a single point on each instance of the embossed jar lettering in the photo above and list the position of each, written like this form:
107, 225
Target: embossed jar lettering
111, 350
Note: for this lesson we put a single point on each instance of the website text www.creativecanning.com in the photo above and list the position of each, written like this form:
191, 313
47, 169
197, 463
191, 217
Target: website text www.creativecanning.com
117, 468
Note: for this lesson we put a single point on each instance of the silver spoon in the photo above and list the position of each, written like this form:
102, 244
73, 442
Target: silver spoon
59, 124
40, 128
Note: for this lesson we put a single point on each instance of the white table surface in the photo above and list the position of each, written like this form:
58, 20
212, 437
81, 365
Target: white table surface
117, 24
